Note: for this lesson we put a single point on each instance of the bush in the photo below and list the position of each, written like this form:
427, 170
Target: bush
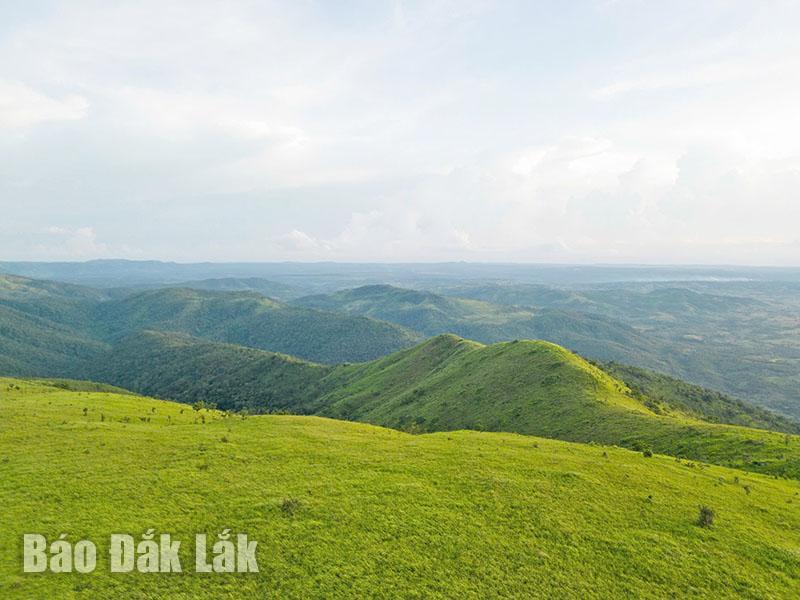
706, 517
289, 506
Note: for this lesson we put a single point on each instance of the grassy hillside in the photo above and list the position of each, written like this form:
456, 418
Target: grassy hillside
433, 314
443, 384
664, 392
536, 388
350, 510
739, 337
249, 319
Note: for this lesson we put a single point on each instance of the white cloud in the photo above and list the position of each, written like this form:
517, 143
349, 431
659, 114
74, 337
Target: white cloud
21, 106
79, 243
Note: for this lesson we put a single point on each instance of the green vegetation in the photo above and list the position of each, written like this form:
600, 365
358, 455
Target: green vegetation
32, 345
432, 314
271, 289
446, 383
739, 337
746, 346
249, 319
536, 388
60, 330
661, 393
43, 327
351, 510
189, 370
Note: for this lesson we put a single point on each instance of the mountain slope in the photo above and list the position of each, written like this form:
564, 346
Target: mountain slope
249, 319
53, 329
31, 345
739, 337
662, 392
444, 384
186, 369
536, 388
432, 314
271, 289
350, 510
44, 327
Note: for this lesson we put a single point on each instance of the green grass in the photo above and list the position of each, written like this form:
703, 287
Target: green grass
738, 337
665, 393
377, 512
446, 383
536, 388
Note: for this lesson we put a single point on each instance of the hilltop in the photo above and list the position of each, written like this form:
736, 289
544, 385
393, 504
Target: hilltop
265, 287
345, 509
739, 337
448, 383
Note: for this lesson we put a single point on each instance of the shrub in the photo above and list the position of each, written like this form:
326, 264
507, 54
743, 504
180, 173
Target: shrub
647, 453
289, 506
706, 517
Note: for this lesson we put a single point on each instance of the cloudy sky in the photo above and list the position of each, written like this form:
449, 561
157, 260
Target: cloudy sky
582, 131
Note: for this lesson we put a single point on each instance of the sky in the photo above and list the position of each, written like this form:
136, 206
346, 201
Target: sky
588, 131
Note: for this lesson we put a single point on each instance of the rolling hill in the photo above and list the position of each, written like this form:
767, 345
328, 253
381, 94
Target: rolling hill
432, 314
189, 370
266, 287
58, 329
448, 383
657, 390
45, 327
343, 509
250, 319
740, 337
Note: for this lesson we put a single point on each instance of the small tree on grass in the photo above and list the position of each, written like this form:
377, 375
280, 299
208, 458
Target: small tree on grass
706, 518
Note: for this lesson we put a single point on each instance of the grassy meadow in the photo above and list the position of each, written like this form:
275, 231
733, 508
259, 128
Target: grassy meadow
353, 510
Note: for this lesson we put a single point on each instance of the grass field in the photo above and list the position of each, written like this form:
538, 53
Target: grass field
352, 510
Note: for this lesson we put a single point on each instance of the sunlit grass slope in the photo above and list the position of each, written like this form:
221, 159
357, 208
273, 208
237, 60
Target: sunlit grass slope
446, 383
536, 388
352, 510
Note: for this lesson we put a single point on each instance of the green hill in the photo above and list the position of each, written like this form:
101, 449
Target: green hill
43, 327
432, 314
30, 345
737, 337
265, 287
351, 510
189, 370
60, 330
249, 319
443, 384
663, 392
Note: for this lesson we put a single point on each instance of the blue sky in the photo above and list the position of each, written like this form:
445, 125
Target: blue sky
594, 131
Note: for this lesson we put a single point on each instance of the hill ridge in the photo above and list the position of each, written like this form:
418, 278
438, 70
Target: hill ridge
447, 383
